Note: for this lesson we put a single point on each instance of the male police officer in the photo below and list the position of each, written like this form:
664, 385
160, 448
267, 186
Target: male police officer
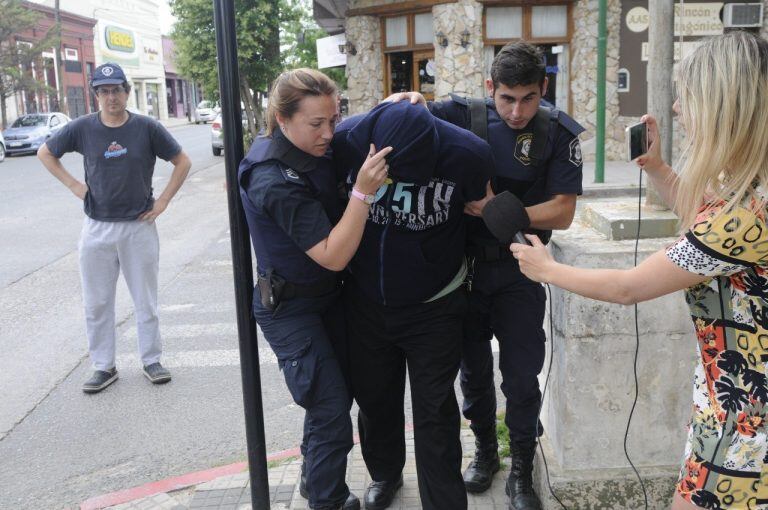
119, 232
538, 158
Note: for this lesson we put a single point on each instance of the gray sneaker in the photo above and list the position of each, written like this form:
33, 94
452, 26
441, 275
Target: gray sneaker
157, 373
100, 380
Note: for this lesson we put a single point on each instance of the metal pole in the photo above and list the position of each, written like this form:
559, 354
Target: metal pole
601, 58
661, 31
229, 80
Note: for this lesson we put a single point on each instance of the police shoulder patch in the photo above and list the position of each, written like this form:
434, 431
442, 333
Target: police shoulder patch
574, 153
291, 175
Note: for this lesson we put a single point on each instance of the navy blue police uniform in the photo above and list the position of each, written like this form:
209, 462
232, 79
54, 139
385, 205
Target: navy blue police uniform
291, 201
502, 301
406, 302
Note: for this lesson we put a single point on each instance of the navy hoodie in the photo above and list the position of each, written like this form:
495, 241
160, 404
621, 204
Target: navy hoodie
413, 244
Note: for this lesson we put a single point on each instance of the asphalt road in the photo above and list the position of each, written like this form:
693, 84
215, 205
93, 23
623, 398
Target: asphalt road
59, 446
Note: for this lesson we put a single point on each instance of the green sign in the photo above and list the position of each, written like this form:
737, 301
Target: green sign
119, 39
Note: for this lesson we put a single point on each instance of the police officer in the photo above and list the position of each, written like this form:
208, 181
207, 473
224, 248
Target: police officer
291, 201
406, 300
538, 158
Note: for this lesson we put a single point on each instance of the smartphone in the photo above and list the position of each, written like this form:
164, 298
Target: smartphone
637, 141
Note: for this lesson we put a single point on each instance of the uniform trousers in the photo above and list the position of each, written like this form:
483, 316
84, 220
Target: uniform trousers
106, 249
297, 333
425, 338
506, 304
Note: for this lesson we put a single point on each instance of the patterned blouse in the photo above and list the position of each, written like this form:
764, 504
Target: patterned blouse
726, 457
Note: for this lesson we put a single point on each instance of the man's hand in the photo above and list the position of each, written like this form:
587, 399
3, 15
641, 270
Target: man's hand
157, 210
79, 189
413, 97
476, 208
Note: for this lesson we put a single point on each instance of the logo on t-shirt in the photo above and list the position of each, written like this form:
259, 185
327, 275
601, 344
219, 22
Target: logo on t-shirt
412, 206
115, 150
523, 148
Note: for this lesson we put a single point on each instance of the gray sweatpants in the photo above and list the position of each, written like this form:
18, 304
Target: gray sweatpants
106, 249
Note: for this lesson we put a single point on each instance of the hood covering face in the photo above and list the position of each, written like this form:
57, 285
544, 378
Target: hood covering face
410, 131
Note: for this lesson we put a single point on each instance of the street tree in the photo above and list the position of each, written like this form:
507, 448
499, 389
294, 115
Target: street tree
17, 55
298, 40
258, 45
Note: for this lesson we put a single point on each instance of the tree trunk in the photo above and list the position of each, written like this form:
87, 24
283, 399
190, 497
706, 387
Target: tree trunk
3, 113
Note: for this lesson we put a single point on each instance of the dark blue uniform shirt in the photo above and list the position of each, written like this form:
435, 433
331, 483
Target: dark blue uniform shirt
558, 172
291, 202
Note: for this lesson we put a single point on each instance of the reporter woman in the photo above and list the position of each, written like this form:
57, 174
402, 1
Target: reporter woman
291, 201
721, 260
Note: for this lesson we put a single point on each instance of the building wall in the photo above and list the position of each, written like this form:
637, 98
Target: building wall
365, 69
144, 65
459, 70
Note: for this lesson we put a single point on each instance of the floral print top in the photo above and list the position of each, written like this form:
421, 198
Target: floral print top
726, 458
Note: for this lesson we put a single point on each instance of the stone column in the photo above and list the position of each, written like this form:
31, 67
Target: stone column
584, 77
591, 387
365, 70
459, 69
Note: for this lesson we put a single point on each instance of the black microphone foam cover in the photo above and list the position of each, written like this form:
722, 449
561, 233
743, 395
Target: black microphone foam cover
505, 216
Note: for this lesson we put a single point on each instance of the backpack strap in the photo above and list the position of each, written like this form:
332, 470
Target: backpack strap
545, 120
478, 117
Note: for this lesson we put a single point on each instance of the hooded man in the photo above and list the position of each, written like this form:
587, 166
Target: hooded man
405, 301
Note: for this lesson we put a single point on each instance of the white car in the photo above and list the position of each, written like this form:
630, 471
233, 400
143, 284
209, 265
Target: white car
206, 111
217, 133
2, 148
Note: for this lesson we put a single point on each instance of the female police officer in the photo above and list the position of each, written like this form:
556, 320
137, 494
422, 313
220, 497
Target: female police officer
290, 197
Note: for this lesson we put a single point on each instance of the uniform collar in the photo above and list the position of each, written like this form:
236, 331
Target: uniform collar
284, 151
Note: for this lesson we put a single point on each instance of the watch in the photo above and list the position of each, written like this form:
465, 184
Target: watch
368, 199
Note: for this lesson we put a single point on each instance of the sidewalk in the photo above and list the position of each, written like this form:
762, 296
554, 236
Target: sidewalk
232, 491
173, 122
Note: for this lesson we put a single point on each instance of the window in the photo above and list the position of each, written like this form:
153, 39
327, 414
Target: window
537, 24
70, 54
408, 31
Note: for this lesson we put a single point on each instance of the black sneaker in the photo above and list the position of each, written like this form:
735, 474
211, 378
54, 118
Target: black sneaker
157, 373
100, 380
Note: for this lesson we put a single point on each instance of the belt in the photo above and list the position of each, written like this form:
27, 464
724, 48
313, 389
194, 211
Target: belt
489, 253
316, 289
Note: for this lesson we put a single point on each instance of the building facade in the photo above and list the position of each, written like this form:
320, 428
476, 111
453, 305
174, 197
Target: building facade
181, 95
443, 46
66, 78
128, 33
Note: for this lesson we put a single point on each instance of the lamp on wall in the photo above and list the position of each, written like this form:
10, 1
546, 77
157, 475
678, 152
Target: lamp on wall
442, 40
348, 48
464, 41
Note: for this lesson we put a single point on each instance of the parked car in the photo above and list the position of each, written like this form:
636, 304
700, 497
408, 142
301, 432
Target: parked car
2, 148
29, 132
217, 133
206, 111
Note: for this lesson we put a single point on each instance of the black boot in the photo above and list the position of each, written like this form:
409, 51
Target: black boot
479, 474
352, 502
520, 482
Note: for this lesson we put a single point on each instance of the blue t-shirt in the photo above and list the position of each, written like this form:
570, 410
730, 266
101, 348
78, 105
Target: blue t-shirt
119, 162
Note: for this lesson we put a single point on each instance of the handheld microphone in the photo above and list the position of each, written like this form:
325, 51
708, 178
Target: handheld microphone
506, 218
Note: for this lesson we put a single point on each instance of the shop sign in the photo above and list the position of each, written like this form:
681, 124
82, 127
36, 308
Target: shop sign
151, 51
698, 19
119, 39
328, 52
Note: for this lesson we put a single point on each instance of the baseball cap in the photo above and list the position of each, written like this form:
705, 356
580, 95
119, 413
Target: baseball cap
108, 74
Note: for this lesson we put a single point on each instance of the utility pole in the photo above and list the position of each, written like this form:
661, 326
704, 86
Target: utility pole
232, 127
602, 43
661, 33
58, 60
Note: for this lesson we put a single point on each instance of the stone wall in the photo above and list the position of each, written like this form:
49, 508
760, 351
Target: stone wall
458, 69
365, 70
584, 76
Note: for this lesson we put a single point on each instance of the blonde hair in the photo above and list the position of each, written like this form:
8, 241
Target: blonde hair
723, 94
290, 88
